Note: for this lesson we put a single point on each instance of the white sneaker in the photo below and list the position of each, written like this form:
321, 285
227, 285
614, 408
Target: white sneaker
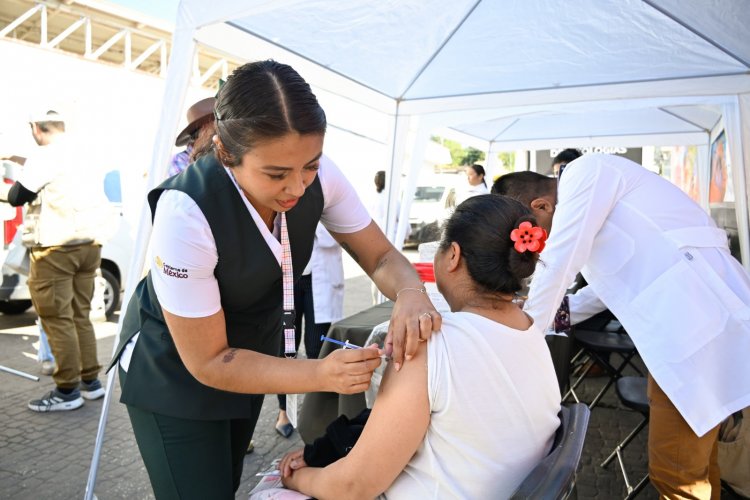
92, 390
57, 401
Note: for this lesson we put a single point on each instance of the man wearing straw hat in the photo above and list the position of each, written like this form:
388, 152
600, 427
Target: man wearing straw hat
200, 117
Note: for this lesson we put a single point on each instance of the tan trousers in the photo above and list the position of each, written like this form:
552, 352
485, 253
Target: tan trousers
61, 284
680, 464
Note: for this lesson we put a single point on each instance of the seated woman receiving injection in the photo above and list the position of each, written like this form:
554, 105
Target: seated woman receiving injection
477, 408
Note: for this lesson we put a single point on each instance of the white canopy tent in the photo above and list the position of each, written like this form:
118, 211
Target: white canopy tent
514, 74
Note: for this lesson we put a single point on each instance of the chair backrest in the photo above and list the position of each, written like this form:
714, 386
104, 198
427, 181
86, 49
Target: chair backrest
555, 476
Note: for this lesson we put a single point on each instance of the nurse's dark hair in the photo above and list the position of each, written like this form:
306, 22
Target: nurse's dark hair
481, 226
262, 101
524, 186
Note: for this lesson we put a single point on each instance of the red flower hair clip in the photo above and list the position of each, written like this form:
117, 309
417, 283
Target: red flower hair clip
528, 237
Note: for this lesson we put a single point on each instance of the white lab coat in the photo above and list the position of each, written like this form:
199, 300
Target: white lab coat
327, 269
661, 265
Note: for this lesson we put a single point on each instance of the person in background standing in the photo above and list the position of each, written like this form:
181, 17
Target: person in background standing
476, 183
563, 158
200, 117
379, 205
319, 299
64, 226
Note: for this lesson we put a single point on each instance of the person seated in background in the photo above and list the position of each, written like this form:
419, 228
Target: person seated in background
563, 158
477, 408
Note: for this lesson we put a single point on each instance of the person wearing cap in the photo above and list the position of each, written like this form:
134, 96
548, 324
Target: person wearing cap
200, 116
65, 223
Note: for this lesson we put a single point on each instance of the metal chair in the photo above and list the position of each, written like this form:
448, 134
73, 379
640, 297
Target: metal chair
555, 476
599, 346
632, 394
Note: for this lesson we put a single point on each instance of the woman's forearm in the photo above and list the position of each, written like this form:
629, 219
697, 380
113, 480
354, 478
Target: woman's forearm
202, 346
330, 483
393, 273
249, 372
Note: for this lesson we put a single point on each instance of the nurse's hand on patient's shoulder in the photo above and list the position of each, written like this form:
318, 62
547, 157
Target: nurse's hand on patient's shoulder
291, 462
413, 320
348, 371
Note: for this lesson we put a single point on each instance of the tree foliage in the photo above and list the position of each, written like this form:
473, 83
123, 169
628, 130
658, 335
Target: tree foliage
460, 155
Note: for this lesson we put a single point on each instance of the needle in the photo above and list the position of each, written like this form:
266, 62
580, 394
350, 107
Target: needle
347, 345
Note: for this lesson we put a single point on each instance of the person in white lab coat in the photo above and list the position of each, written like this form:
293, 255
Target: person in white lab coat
319, 299
656, 260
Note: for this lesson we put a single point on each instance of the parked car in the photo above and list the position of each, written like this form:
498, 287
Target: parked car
14, 293
433, 202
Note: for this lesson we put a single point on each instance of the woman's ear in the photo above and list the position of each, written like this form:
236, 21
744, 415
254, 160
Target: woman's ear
454, 257
542, 204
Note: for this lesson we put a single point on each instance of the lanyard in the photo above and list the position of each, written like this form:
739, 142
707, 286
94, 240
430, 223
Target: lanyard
287, 280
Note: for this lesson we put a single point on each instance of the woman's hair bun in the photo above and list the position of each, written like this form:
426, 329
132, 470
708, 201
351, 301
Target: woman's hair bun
482, 227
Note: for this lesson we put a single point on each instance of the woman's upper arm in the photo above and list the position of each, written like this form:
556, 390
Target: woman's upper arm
394, 431
183, 259
198, 340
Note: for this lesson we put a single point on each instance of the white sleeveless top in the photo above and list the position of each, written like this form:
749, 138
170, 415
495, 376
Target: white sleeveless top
494, 401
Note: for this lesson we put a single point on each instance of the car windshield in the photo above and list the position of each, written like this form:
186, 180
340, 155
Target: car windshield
429, 193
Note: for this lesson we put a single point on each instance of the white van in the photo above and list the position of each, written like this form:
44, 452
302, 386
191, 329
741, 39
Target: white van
433, 202
14, 293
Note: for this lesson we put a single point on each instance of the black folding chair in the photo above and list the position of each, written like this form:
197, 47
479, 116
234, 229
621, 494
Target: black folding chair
554, 478
601, 346
632, 393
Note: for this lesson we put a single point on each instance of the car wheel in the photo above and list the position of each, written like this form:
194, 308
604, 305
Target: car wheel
111, 293
14, 306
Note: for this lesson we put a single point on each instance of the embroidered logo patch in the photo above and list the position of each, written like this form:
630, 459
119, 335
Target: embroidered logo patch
175, 272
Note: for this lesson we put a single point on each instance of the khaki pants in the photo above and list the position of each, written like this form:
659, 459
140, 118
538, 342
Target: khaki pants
61, 283
680, 464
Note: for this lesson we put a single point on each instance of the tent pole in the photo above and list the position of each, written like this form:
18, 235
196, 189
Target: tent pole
417, 160
734, 134
393, 180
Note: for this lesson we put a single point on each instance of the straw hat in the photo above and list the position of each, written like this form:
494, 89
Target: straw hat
198, 114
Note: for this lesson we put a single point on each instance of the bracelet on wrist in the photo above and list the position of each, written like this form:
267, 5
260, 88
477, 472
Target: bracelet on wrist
411, 289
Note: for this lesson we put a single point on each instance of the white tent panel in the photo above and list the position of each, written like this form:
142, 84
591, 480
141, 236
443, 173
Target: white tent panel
558, 43
723, 22
634, 122
705, 117
239, 44
478, 47
391, 35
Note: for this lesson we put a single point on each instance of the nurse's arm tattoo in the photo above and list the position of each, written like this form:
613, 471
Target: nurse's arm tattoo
228, 357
